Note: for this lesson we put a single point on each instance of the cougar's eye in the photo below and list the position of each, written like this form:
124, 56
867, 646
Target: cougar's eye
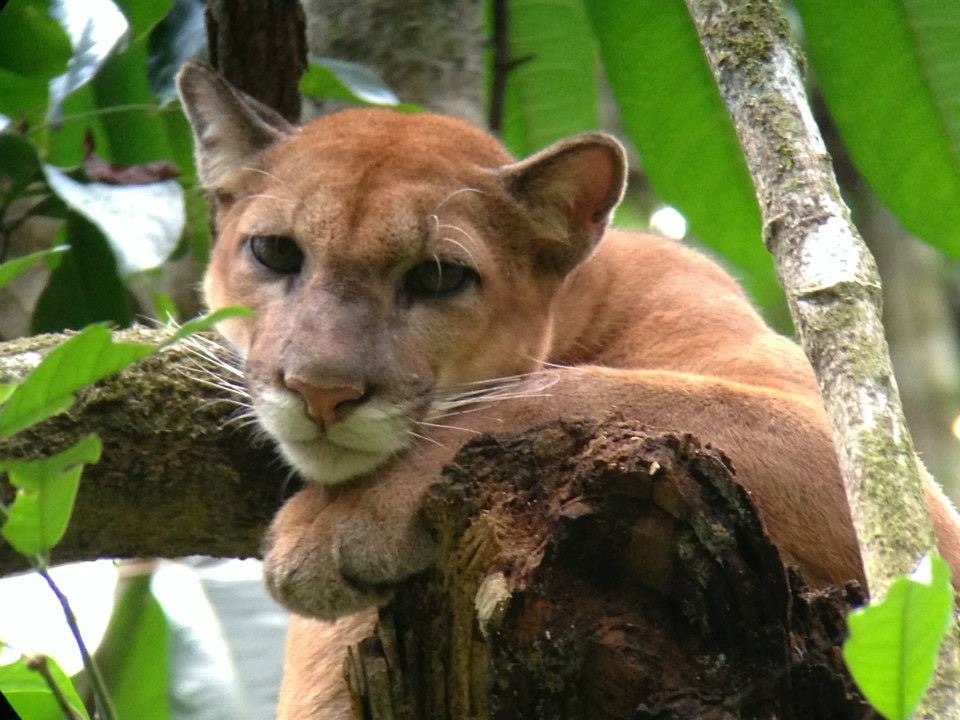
432, 280
277, 253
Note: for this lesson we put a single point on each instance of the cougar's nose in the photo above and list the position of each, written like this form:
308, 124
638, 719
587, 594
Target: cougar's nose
325, 405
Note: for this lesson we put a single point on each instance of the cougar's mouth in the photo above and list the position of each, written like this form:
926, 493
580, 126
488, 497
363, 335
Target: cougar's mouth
357, 444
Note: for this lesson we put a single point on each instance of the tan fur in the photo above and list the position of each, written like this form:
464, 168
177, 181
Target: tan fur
635, 325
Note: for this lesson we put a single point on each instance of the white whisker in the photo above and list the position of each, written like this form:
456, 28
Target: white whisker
448, 427
261, 171
426, 438
452, 195
463, 247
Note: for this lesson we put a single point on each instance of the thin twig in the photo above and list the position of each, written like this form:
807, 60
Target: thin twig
38, 663
501, 64
93, 672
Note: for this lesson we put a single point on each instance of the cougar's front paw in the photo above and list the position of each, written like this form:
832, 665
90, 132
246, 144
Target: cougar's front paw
310, 583
302, 564
333, 553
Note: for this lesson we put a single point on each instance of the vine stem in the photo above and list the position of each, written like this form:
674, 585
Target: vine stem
107, 711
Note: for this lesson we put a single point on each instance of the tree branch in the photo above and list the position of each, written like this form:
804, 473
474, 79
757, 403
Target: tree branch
832, 286
600, 570
176, 478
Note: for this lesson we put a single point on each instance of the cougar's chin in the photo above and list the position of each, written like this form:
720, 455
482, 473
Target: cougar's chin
356, 445
325, 462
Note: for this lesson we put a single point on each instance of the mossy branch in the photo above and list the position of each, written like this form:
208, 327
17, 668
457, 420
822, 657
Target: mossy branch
176, 477
833, 289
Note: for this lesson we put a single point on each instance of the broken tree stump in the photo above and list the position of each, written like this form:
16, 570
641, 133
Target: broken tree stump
601, 570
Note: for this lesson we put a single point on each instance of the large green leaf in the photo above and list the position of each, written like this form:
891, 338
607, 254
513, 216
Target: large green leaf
672, 112
888, 72
137, 136
80, 361
143, 15
31, 42
85, 287
22, 98
133, 656
552, 93
95, 28
142, 223
46, 488
29, 695
893, 644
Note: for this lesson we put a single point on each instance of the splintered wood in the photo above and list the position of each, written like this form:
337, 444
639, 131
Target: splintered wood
602, 571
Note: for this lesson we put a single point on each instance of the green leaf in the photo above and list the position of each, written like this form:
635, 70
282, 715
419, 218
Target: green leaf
85, 287
143, 15
6, 390
12, 268
205, 321
48, 389
138, 136
134, 654
18, 160
347, 81
180, 36
38, 516
31, 42
28, 693
95, 28
142, 223
21, 98
888, 72
552, 93
673, 114
893, 644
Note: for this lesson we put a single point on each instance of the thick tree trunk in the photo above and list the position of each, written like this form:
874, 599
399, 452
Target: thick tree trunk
429, 52
260, 47
603, 571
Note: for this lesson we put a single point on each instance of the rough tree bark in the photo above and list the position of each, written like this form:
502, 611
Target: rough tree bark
429, 52
602, 571
260, 47
833, 290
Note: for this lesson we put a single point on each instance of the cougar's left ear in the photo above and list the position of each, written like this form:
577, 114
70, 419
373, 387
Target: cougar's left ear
570, 189
229, 126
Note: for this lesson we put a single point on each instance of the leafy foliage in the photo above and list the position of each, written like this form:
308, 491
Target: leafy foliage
552, 90
893, 644
888, 72
29, 695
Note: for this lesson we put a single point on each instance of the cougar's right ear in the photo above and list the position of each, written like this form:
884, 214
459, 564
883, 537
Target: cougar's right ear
228, 125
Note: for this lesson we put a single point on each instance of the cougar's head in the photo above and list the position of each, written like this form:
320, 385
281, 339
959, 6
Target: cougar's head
393, 262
